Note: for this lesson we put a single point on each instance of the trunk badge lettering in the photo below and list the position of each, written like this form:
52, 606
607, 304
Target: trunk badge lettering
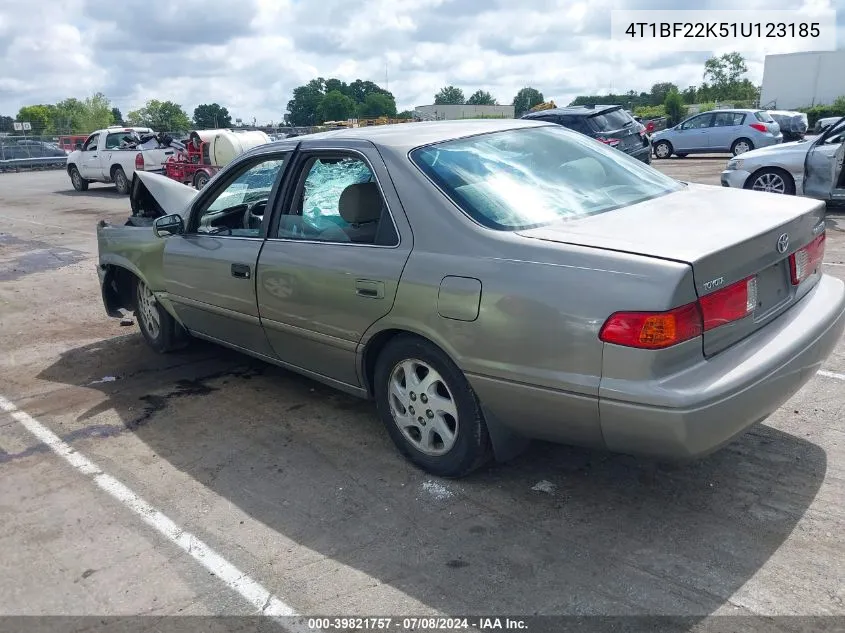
783, 243
714, 283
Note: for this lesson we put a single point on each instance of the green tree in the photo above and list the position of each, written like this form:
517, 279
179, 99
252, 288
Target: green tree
724, 72
377, 104
688, 95
335, 106
358, 90
674, 106
449, 95
405, 114
333, 85
481, 97
302, 109
659, 92
7, 124
40, 116
211, 116
67, 115
161, 116
117, 116
96, 113
526, 99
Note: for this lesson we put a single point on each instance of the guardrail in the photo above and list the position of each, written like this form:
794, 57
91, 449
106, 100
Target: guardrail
32, 161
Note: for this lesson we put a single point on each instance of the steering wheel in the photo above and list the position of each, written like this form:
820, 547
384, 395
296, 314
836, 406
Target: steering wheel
250, 214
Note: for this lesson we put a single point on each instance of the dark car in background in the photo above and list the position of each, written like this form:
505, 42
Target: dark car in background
609, 124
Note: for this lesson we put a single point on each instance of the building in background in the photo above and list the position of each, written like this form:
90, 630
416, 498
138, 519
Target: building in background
452, 112
795, 80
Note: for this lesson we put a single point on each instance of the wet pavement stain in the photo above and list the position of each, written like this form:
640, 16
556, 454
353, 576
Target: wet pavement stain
19, 258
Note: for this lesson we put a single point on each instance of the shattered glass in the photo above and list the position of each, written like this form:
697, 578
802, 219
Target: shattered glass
325, 182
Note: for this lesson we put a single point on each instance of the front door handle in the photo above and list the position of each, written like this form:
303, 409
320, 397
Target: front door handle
369, 288
241, 271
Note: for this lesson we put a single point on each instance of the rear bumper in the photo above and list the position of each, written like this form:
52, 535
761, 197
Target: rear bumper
696, 411
643, 153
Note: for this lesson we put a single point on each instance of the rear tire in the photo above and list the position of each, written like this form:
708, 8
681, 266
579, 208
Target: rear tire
76, 179
663, 149
121, 183
741, 145
160, 330
429, 408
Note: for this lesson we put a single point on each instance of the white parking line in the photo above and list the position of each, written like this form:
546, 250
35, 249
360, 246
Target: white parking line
831, 374
251, 590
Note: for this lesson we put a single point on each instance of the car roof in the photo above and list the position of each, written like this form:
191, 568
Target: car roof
579, 110
407, 136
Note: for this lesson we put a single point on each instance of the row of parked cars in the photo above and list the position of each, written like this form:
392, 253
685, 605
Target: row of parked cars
770, 149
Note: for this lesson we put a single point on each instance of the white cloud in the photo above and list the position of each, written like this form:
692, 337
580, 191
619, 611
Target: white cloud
249, 55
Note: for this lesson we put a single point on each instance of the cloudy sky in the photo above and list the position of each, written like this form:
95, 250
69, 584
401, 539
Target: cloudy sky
249, 54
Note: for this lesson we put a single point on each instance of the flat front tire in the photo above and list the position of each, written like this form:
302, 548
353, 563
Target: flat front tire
160, 330
429, 408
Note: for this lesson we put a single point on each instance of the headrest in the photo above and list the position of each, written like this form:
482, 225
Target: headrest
360, 203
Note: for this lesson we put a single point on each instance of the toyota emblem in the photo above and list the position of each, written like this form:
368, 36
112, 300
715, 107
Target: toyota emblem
783, 243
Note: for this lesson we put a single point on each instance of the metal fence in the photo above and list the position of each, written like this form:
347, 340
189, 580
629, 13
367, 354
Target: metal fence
17, 152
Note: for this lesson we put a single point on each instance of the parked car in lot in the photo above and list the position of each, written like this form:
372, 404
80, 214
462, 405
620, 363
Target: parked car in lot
812, 167
609, 124
15, 148
793, 125
490, 281
104, 158
734, 131
824, 123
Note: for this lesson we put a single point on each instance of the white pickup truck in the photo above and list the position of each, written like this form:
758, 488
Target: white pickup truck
102, 159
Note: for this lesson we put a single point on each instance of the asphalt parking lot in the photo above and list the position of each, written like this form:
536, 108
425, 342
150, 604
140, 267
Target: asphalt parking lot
285, 495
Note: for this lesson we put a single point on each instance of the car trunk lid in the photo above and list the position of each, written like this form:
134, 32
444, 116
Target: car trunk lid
725, 235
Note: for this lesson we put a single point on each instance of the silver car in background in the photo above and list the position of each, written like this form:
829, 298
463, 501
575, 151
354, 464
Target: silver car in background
734, 131
812, 167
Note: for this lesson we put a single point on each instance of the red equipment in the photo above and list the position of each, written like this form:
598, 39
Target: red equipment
193, 166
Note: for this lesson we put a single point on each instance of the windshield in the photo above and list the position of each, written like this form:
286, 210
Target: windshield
524, 178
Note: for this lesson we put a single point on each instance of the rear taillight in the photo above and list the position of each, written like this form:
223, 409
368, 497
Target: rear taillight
613, 142
760, 127
139, 162
805, 261
658, 330
729, 304
653, 330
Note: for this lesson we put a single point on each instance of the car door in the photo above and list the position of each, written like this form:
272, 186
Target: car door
823, 165
209, 270
693, 134
724, 130
89, 162
331, 264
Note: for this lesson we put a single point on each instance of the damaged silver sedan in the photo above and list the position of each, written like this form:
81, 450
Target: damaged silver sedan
487, 282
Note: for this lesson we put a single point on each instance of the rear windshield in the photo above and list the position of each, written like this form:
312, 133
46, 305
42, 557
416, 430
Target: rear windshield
765, 117
610, 120
524, 178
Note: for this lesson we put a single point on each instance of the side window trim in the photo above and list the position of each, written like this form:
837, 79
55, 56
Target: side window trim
297, 174
209, 194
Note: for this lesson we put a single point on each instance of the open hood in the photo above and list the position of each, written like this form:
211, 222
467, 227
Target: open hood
153, 195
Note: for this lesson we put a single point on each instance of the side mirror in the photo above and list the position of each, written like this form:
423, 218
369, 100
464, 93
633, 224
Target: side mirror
79, 146
168, 225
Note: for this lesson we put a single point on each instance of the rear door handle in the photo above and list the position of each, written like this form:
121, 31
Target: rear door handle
241, 271
369, 288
